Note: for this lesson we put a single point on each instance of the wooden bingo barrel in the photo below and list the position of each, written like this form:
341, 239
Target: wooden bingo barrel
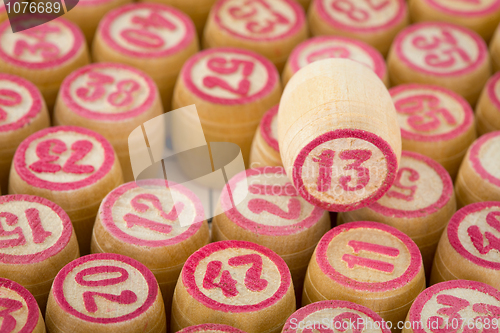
196, 9
71, 166
420, 203
443, 54
434, 122
458, 306
368, 263
22, 112
39, 242
236, 283
324, 47
210, 328
274, 215
479, 176
469, 248
105, 292
488, 107
265, 149
340, 147
105, 97
482, 16
20, 313
64, 50
142, 222
154, 38
231, 88
271, 28
332, 316
88, 13
375, 23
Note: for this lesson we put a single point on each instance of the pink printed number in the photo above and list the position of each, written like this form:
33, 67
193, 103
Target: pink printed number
329, 52
253, 25
257, 205
96, 81
325, 161
8, 321
222, 66
143, 37
125, 297
47, 50
442, 51
227, 284
133, 219
38, 232
378, 265
95, 90
8, 98
45, 164
413, 176
424, 110
477, 239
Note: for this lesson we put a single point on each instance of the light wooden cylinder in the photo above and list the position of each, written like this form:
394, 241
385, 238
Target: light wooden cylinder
479, 175
211, 328
467, 249
271, 28
71, 166
495, 50
435, 122
154, 38
420, 203
488, 107
105, 97
367, 263
265, 149
236, 283
442, 54
44, 243
480, 16
331, 316
21, 313
272, 215
23, 112
231, 88
105, 293
64, 50
429, 312
141, 221
88, 13
326, 47
197, 10
340, 147
373, 23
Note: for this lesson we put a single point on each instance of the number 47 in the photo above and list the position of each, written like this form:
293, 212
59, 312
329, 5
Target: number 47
227, 284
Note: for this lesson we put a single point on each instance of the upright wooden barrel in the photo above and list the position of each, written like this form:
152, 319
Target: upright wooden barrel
339, 137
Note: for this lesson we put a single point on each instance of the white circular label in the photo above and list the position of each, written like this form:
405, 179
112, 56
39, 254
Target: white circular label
105, 289
109, 90
28, 228
440, 49
64, 157
417, 186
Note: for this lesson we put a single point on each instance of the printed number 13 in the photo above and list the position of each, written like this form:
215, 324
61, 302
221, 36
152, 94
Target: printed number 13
325, 161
